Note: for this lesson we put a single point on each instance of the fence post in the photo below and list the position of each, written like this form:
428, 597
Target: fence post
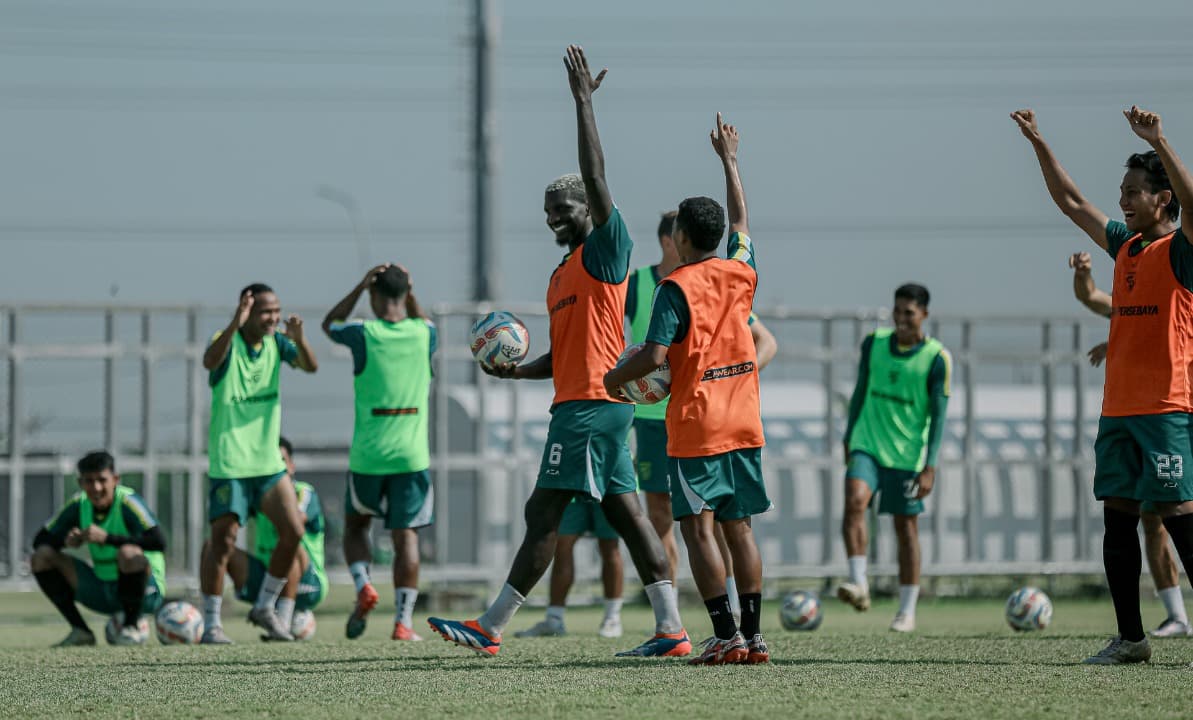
830, 439
442, 449
1047, 513
110, 433
195, 461
973, 547
16, 448
148, 451
1080, 498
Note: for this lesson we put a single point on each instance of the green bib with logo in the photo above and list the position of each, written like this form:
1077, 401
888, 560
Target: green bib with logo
103, 557
246, 414
392, 393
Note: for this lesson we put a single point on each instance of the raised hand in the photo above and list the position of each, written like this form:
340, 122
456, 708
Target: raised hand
243, 310
1081, 263
372, 275
1026, 120
293, 329
582, 82
724, 139
1144, 124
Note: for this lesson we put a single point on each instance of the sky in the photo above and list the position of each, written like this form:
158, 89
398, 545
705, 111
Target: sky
171, 152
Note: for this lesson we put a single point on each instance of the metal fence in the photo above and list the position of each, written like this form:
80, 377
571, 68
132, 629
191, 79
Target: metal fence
1012, 492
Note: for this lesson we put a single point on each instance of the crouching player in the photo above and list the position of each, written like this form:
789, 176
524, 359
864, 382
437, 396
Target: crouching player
127, 573
700, 325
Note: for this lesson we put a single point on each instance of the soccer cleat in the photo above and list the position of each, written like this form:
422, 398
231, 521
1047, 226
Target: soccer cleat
856, 595
267, 619
1121, 652
903, 623
610, 628
215, 635
404, 632
78, 637
467, 634
758, 651
1172, 628
366, 600
715, 651
662, 645
549, 627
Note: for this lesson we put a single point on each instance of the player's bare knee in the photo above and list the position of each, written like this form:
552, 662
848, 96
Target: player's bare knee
1153, 524
131, 559
907, 527
44, 558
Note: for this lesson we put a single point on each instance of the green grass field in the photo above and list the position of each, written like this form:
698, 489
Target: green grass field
963, 662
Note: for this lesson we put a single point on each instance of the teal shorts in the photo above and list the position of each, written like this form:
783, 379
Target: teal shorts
311, 588
102, 595
238, 496
729, 484
1144, 457
405, 500
584, 517
650, 437
586, 449
894, 489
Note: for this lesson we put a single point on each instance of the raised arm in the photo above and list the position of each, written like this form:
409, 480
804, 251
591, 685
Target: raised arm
592, 158
1086, 292
343, 309
1147, 126
765, 345
1061, 187
724, 142
217, 351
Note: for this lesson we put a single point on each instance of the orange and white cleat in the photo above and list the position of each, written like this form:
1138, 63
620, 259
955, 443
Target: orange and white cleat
366, 600
405, 632
722, 652
468, 634
759, 652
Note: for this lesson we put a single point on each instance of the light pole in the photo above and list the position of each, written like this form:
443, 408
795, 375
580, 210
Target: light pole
360, 226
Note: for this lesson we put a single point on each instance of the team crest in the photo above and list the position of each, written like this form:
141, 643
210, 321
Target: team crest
1130, 281
223, 494
893, 376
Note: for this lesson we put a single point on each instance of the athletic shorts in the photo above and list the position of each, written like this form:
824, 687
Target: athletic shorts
894, 489
405, 500
650, 438
238, 496
1144, 457
584, 517
311, 588
586, 449
729, 484
102, 595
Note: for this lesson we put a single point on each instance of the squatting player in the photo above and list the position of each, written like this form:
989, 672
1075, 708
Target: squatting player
127, 573
700, 326
892, 439
390, 455
585, 454
1143, 445
246, 469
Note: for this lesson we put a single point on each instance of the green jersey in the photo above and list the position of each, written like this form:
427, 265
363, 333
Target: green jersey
392, 365
639, 297
898, 407
266, 535
246, 410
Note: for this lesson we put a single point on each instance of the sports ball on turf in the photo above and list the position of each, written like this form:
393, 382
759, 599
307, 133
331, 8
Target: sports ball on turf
302, 626
653, 388
1029, 609
800, 611
499, 337
112, 628
179, 623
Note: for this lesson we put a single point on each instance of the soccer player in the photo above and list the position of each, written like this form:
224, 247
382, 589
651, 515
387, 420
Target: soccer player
1143, 444
1160, 559
127, 573
306, 584
892, 439
582, 518
700, 325
246, 469
390, 456
585, 455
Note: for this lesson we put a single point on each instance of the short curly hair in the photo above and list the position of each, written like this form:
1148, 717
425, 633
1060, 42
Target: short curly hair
572, 184
703, 220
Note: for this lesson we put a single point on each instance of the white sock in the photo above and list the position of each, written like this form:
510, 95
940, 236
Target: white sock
1174, 603
663, 600
555, 612
501, 611
734, 600
613, 608
857, 571
404, 599
285, 611
908, 594
211, 611
271, 588
360, 573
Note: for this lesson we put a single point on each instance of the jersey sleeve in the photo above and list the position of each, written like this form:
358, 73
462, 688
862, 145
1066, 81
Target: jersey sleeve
216, 374
859, 389
753, 318
741, 248
669, 316
65, 520
287, 350
940, 380
434, 342
1117, 235
1181, 254
607, 250
137, 515
631, 296
351, 334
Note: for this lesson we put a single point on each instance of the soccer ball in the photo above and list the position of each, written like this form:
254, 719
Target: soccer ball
800, 611
653, 388
179, 623
1029, 609
499, 337
302, 625
116, 622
